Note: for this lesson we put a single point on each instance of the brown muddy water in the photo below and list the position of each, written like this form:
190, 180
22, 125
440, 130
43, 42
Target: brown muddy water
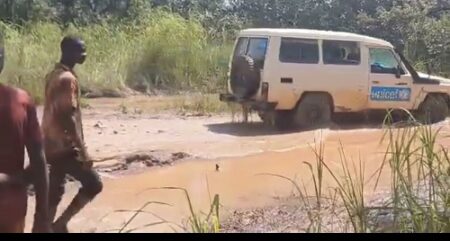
242, 152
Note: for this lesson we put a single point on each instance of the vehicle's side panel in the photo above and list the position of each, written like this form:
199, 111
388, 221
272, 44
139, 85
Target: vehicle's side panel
288, 81
348, 84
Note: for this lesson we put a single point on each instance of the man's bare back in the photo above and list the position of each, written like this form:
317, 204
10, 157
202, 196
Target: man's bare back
19, 129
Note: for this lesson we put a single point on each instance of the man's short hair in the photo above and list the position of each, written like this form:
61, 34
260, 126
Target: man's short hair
70, 43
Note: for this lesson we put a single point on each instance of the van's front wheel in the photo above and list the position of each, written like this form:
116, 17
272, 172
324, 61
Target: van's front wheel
433, 110
314, 111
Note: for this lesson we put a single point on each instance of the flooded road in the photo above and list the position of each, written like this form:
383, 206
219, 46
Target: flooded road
242, 152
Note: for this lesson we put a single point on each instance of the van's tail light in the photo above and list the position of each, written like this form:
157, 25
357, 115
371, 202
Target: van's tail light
265, 91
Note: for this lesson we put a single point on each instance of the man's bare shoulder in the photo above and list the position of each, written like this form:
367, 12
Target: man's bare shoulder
24, 97
19, 94
8, 89
60, 74
67, 75
61, 77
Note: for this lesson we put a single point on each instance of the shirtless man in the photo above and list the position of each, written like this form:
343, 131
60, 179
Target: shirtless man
63, 134
19, 129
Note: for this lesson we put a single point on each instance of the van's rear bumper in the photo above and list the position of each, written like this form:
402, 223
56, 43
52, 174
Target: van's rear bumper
253, 104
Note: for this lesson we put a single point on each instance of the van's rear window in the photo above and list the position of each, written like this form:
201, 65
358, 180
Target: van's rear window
253, 47
241, 47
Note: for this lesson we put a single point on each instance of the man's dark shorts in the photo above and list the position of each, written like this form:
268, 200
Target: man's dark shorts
86, 175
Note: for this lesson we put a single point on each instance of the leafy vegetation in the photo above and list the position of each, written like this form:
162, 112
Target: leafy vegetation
176, 45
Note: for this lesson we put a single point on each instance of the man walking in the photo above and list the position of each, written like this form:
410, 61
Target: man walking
63, 134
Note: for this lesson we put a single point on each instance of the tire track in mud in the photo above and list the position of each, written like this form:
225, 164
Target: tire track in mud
138, 162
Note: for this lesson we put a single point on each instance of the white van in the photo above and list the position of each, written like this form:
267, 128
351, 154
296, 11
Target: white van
302, 77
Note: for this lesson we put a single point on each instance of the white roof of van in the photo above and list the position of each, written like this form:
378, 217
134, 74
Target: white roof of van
315, 34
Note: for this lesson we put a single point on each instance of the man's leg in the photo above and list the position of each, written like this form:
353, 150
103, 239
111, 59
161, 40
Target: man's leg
13, 226
57, 181
13, 205
91, 187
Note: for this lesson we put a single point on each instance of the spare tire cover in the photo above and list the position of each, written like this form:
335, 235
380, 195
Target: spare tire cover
244, 77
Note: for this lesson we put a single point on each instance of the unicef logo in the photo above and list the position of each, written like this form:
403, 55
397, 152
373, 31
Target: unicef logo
404, 94
390, 94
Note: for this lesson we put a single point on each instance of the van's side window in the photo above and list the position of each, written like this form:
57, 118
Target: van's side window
304, 51
341, 52
383, 61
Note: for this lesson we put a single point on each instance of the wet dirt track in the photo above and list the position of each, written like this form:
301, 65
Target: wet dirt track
241, 151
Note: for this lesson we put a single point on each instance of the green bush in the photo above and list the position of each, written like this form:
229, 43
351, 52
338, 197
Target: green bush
164, 52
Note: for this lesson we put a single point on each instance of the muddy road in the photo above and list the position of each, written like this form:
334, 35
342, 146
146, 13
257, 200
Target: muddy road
240, 152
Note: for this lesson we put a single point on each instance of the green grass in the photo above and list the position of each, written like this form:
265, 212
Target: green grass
199, 104
163, 51
417, 165
201, 222
198, 222
186, 104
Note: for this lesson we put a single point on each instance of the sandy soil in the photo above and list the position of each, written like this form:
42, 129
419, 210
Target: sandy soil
205, 155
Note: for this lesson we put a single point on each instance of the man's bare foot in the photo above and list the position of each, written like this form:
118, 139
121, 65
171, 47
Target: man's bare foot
60, 228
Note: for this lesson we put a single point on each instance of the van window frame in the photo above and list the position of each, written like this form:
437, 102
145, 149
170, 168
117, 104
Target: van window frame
247, 48
238, 41
394, 54
359, 47
316, 43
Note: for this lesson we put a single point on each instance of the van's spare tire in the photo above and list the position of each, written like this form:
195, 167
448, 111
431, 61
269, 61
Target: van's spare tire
244, 77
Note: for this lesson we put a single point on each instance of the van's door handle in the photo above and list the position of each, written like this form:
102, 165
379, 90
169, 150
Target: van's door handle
376, 82
401, 84
287, 80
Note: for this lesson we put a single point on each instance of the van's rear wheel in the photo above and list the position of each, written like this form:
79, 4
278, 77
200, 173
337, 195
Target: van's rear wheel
267, 117
433, 110
314, 111
284, 120
263, 116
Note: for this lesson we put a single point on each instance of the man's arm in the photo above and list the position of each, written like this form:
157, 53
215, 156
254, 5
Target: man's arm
39, 171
